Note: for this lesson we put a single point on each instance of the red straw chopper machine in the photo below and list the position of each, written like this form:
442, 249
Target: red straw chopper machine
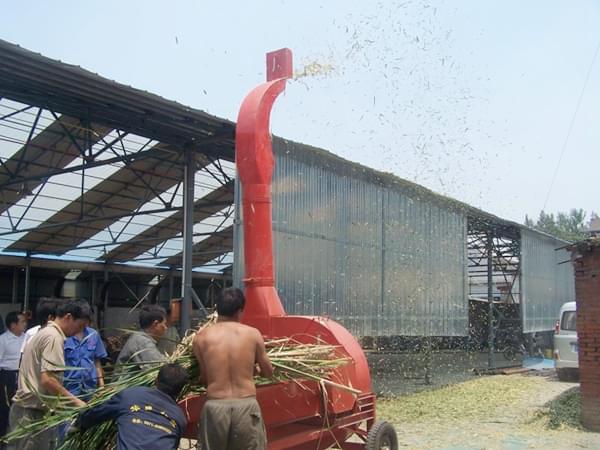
300, 414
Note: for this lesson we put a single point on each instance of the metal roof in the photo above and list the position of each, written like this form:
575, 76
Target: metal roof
210, 248
52, 149
119, 195
33, 79
171, 226
92, 167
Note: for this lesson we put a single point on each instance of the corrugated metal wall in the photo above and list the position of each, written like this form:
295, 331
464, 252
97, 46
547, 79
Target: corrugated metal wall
546, 284
379, 260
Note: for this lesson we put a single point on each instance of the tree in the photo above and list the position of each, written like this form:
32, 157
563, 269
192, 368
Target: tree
568, 226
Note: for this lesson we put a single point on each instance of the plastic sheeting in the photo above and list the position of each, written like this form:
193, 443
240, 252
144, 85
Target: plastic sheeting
380, 260
547, 280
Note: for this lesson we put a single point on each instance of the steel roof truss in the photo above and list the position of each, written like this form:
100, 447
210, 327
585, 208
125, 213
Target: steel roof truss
70, 136
217, 164
29, 137
18, 111
87, 220
31, 202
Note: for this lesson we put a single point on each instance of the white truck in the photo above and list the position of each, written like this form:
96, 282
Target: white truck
566, 347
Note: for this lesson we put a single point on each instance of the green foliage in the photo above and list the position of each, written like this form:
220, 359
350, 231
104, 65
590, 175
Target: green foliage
564, 411
569, 226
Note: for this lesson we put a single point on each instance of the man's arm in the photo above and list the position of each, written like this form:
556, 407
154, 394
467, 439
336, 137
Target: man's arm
99, 354
2, 347
51, 385
53, 361
196, 346
108, 410
99, 372
266, 368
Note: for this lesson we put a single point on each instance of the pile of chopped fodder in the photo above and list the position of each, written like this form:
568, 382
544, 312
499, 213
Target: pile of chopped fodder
473, 399
564, 411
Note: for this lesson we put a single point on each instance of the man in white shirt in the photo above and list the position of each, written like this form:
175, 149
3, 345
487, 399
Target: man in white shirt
45, 311
10, 354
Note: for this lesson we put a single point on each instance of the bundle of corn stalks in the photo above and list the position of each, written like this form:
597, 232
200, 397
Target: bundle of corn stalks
291, 360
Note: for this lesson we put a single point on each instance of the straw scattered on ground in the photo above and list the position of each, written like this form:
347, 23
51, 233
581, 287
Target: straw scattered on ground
475, 399
495, 412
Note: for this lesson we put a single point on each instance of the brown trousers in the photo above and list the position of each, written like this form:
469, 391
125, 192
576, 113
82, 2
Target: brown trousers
232, 424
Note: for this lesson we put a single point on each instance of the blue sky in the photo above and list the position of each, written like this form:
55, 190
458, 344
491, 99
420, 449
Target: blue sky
471, 99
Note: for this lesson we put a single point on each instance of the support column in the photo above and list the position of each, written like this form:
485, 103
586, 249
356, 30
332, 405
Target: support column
27, 283
171, 285
188, 231
105, 300
490, 295
15, 286
94, 299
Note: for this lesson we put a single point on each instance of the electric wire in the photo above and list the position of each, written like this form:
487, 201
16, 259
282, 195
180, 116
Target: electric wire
570, 129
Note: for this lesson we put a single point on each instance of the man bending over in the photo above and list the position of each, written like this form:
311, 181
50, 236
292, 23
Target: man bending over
147, 418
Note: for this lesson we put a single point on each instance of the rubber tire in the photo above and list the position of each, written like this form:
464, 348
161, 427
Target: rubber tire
567, 375
382, 433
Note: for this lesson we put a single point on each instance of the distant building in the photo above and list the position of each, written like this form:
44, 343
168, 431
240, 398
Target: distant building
593, 228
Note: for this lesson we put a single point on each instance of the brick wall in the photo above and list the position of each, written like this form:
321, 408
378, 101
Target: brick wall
587, 288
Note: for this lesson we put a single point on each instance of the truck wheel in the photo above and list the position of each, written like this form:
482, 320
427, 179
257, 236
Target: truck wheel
564, 375
509, 353
382, 436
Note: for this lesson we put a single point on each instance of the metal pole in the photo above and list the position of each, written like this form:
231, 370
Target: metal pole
105, 306
382, 285
94, 300
27, 283
188, 231
171, 283
15, 286
490, 248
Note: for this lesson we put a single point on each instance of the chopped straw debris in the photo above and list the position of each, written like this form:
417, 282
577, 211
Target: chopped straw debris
475, 399
314, 69
563, 412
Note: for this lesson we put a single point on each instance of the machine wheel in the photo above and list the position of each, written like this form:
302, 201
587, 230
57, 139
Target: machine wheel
382, 436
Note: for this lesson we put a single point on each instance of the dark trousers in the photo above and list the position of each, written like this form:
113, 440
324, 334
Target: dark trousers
21, 417
8, 387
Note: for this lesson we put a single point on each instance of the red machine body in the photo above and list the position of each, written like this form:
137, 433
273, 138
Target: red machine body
300, 414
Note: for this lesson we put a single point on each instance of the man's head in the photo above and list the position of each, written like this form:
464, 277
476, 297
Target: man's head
230, 303
16, 322
153, 320
171, 379
46, 310
72, 316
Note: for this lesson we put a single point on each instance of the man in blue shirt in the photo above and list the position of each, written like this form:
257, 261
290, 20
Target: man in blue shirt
84, 351
146, 418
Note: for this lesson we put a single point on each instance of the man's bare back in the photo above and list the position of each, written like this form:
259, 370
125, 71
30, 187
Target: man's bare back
228, 353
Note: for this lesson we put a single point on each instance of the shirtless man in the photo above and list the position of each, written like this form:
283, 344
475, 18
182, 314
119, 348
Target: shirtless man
227, 353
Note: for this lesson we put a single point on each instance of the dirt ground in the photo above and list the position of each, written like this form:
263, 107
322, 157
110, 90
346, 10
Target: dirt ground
491, 412
499, 412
